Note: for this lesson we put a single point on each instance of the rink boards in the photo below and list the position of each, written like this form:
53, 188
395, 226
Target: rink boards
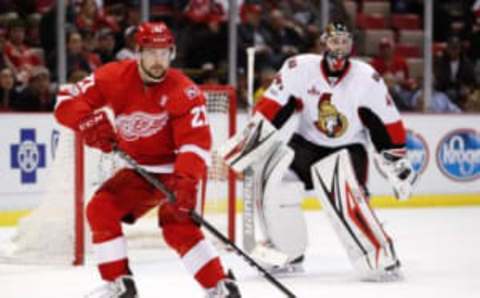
444, 149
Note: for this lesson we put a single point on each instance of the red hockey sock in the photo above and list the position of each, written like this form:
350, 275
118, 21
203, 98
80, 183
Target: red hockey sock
110, 271
210, 274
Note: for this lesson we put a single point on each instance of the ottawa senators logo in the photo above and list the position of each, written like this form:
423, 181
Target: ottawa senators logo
332, 123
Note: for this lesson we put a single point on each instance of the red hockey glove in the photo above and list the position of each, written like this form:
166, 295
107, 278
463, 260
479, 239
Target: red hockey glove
97, 131
185, 190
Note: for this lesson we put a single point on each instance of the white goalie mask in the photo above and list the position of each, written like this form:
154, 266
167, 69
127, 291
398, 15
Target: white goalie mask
338, 41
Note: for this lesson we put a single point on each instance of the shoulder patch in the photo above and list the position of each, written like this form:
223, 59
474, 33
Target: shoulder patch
192, 92
278, 81
376, 76
292, 63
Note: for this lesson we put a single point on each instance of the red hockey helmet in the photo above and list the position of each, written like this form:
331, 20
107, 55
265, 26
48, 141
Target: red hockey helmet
154, 35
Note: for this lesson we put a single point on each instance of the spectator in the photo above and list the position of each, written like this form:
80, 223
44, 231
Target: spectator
252, 33
75, 53
407, 6
473, 101
453, 71
21, 56
402, 96
8, 92
303, 14
90, 44
76, 56
209, 75
4, 61
474, 40
77, 76
439, 103
388, 62
285, 40
106, 45
200, 11
394, 70
128, 51
133, 16
32, 32
215, 35
38, 94
91, 18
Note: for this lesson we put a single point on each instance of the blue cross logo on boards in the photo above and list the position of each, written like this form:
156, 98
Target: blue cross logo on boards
27, 156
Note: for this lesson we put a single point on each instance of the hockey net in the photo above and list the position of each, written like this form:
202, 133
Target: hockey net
56, 231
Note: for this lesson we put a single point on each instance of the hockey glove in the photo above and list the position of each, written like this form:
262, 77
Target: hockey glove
97, 131
185, 190
399, 172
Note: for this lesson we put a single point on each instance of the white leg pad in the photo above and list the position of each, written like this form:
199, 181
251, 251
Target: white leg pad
368, 246
280, 214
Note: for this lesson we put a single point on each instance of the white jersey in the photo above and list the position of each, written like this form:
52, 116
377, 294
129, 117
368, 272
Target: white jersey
330, 111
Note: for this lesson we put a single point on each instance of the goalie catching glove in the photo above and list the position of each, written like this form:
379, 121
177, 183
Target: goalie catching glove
97, 131
399, 172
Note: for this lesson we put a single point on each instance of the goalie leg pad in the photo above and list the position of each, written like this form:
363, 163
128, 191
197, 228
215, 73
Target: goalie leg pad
368, 246
279, 210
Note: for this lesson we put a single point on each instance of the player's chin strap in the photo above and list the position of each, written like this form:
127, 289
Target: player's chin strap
399, 172
200, 220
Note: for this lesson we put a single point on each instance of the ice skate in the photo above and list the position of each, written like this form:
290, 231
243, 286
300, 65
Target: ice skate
122, 287
226, 288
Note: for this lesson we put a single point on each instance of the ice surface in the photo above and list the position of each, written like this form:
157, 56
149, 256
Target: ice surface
439, 249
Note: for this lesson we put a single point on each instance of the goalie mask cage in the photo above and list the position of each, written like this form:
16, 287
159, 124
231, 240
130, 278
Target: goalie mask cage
55, 231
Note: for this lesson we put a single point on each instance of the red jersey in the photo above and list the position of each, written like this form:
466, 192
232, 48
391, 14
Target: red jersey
397, 66
163, 126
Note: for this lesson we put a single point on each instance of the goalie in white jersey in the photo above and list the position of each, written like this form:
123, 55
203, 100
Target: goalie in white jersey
343, 106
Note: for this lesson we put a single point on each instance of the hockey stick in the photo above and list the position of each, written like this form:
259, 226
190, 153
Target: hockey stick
249, 189
201, 221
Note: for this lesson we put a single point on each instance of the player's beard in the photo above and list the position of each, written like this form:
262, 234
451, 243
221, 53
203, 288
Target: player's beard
148, 76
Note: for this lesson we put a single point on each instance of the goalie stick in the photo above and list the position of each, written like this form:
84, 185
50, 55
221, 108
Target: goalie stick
202, 222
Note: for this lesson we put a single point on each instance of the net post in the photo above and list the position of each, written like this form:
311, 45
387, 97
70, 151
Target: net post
79, 257
232, 180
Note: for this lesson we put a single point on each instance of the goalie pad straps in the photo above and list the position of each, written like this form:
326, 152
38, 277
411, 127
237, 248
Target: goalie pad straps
249, 145
369, 248
279, 208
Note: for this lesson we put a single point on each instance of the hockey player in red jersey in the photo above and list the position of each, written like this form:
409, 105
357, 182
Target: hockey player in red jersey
160, 120
343, 107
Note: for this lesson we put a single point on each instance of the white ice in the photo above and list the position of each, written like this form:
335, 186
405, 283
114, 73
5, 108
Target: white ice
439, 249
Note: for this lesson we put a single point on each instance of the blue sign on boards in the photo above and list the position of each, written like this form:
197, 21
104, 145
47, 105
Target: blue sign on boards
417, 151
458, 155
27, 156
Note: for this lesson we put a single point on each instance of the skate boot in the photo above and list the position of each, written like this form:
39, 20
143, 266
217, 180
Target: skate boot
226, 288
122, 287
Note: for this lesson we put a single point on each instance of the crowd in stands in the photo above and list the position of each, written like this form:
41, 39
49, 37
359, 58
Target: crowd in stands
387, 34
